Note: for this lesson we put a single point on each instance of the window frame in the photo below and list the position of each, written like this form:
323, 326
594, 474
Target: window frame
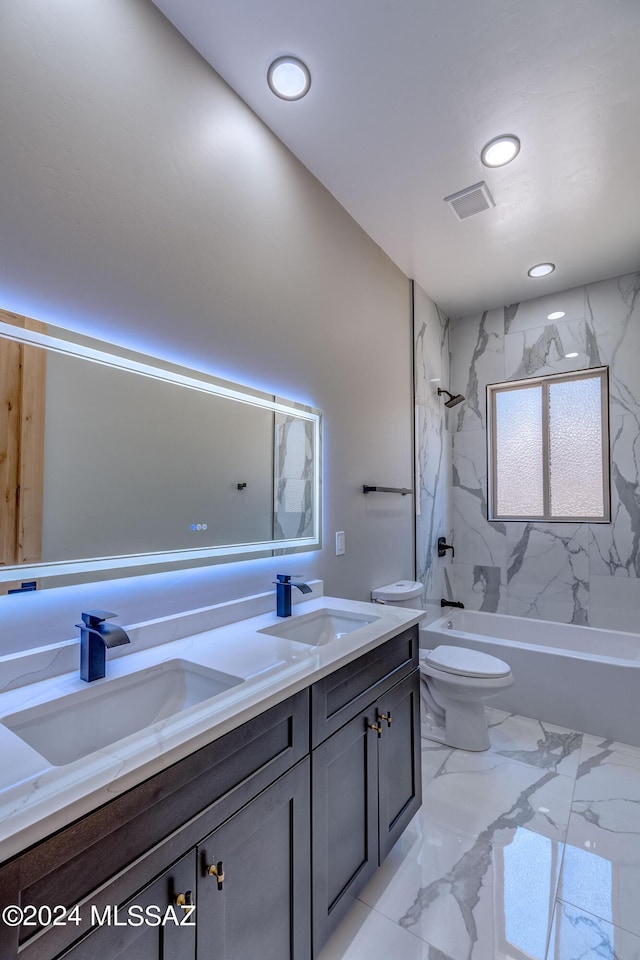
493, 389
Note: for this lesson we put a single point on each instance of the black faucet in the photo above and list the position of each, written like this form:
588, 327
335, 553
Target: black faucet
443, 546
95, 637
452, 603
283, 584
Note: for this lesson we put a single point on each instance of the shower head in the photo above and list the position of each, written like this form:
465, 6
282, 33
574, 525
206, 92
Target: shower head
454, 399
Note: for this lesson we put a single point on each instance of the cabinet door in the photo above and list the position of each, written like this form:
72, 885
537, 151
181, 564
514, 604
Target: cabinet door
344, 821
400, 791
261, 909
118, 939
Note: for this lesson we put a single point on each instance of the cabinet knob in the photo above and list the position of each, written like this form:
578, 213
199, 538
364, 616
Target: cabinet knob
216, 870
184, 900
385, 716
376, 727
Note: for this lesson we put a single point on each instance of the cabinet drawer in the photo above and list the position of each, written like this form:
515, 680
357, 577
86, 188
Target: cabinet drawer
341, 696
120, 845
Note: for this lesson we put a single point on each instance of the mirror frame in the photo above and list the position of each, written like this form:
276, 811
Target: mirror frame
79, 345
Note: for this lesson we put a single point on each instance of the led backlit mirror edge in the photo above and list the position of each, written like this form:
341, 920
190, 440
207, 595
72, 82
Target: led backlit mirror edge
78, 345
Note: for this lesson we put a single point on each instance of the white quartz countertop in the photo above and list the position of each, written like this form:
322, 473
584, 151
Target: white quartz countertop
37, 798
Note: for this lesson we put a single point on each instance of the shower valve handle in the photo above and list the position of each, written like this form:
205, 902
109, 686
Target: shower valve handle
443, 546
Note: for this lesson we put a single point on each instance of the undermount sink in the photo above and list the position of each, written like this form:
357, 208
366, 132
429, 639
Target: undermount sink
71, 727
319, 627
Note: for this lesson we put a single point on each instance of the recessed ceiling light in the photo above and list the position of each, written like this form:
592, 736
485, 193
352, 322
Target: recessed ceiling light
289, 78
556, 315
541, 269
570, 356
500, 150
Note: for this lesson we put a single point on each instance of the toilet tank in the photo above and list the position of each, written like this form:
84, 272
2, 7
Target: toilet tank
402, 593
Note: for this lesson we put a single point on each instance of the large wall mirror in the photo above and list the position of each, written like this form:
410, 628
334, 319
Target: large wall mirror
111, 462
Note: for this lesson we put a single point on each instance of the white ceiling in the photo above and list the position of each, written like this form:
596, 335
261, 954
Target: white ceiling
405, 93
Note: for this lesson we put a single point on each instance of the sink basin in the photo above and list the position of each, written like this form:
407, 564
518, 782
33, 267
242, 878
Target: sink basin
70, 727
319, 627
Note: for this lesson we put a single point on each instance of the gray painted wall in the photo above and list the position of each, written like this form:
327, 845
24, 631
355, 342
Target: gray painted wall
144, 203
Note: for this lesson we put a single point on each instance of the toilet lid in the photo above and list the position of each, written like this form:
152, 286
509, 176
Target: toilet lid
400, 590
465, 662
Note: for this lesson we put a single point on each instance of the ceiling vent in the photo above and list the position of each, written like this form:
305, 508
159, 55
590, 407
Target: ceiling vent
466, 203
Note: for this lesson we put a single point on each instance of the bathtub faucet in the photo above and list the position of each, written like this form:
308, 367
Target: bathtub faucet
452, 603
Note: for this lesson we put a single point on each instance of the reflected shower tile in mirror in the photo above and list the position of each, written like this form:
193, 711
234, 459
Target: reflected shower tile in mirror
293, 480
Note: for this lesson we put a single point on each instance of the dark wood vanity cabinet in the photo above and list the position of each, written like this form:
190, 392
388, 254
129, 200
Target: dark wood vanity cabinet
105, 858
366, 787
271, 831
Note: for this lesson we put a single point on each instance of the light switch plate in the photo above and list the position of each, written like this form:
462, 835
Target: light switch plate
340, 547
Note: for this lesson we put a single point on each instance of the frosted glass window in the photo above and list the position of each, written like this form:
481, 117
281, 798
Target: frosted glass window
519, 485
549, 448
575, 448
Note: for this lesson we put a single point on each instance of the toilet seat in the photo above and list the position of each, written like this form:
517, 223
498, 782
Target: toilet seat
462, 662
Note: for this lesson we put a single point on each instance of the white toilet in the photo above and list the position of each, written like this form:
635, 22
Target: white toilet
455, 681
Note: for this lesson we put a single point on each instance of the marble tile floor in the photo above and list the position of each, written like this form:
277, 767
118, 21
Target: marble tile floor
528, 851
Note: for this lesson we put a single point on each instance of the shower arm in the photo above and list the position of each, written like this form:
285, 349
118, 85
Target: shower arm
454, 398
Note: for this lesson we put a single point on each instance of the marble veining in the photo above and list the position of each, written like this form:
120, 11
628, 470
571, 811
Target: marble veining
465, 878
433, 448
578, 935
477, 358
510, 313
293, 477
535, 742
541, 351
546, 570
531, 849
488, 579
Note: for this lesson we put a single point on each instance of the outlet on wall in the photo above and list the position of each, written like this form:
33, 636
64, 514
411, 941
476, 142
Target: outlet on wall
340, 547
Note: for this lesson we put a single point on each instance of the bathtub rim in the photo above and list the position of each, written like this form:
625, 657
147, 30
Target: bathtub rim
439, 628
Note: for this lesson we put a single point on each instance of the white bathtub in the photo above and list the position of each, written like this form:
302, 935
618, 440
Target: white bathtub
584, 678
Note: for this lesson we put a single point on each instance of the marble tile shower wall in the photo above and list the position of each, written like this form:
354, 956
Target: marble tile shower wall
570, 572
433, 449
